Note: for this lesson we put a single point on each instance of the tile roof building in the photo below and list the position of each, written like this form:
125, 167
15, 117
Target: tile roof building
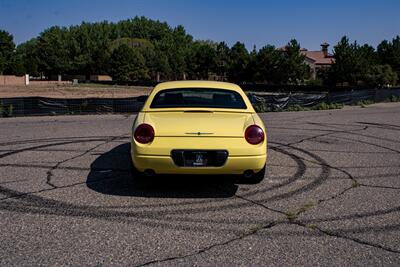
318, 60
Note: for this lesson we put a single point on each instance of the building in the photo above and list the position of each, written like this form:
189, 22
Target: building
318, 60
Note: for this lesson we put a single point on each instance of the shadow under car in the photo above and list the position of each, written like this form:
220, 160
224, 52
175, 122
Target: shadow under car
110, 174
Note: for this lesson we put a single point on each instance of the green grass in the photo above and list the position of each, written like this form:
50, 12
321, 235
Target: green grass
291, 216
364, 103
327, 106
355, 184
296, 108
320, 106
312, 226
263, 107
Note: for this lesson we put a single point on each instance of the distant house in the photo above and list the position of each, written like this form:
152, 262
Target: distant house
318, 60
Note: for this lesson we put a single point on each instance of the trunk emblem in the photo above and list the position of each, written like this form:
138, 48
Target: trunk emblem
199, 133
199, 158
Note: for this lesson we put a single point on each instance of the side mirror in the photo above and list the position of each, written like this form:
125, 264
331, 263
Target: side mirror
142, 98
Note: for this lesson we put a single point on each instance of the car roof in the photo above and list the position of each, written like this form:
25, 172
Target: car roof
197, 84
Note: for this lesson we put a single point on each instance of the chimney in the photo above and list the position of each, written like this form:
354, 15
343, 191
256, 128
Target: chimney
324, 48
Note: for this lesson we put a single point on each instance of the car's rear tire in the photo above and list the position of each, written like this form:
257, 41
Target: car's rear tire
256, 177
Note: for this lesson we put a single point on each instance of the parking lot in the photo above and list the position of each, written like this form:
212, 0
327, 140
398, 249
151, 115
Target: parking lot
330, 196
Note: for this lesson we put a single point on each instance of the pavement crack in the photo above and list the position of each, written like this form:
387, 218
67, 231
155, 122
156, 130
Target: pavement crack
323, 135
10, 196
210, 247
354, 239
260, 204
380, 186
319, 201
53, 168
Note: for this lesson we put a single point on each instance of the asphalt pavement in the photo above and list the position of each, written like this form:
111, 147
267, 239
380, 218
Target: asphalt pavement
330, 196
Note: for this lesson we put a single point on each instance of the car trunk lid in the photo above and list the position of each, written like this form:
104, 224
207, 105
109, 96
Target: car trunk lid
200, 123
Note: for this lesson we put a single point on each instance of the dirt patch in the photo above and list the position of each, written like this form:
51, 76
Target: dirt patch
72, 91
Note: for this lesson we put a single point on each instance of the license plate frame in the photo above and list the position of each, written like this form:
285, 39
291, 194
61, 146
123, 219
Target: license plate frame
195, 159
190, 157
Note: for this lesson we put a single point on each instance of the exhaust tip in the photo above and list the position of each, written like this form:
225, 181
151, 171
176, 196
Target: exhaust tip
149, 172
248, 173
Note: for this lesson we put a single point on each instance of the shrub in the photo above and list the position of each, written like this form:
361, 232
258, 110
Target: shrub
394, 98
364, 103
326, 106
296, 108
6, 111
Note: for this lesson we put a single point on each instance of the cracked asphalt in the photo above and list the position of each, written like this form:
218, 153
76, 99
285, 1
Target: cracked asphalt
330, 197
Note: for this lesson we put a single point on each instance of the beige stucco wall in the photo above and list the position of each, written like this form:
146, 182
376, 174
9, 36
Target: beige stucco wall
12, 80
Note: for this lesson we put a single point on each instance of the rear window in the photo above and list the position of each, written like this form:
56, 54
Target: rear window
198, 97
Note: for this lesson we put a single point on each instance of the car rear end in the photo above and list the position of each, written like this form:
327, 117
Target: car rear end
198, 139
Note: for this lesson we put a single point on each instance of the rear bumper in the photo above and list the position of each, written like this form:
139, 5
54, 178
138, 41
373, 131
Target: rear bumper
165, 165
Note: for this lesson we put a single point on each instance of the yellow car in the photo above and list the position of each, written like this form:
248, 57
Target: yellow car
199, 127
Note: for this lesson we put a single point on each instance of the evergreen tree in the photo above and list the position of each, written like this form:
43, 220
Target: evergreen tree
7, 47
292, 64
239, 58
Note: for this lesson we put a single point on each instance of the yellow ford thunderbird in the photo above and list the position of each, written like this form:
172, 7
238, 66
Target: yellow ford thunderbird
198, 127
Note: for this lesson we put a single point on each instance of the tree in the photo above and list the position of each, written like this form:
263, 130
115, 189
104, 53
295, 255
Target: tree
353, 63
251, 69
7, 47
201, 59
389, 53
345, 68
381, 76
366, 59
127, 64
268, 65
292, 64
53, 52
157, 63
222, 60
178, 50
25, 59
239, 58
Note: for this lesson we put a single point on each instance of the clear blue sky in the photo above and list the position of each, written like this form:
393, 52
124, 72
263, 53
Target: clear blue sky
254, 22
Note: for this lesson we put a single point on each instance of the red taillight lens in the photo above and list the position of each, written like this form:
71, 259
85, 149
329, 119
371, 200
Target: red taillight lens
144, 133
254, 135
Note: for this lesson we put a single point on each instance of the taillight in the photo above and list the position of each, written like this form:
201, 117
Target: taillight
144, 133
254, 135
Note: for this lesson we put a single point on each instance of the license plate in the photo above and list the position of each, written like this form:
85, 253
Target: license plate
196, 159
199, 158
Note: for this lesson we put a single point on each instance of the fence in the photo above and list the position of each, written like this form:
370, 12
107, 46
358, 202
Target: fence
31, 106
273, 102
28, 106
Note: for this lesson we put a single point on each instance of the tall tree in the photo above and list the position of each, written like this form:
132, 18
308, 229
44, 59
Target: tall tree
25, 58
352, 62
239, 58
222, 60
53, 53
292, 64
268, 65
127, 64
389, 53
7, 47
345, 61
201, 60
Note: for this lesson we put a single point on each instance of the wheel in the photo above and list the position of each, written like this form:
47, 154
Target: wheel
256, 177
